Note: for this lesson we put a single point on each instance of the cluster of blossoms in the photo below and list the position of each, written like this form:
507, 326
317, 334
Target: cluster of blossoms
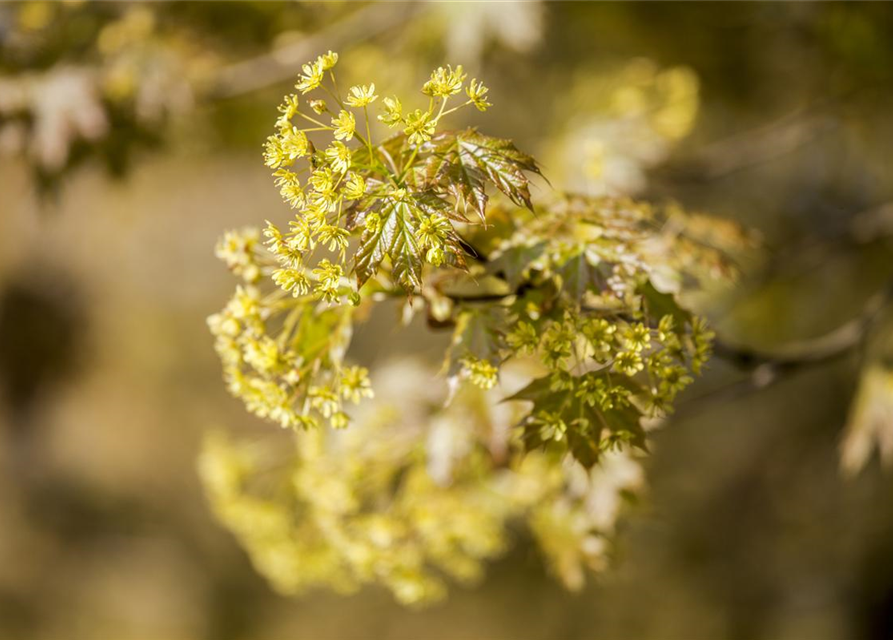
584, 292
409, 495
396, 204
366, 190
588, 288
294, 376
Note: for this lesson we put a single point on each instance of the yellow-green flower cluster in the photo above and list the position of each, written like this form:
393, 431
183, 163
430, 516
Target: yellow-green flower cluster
432, 235
586, 288
665, 354
421, 124
293, 376
238, 250
339, 179
282, 349
481, 373
407, 504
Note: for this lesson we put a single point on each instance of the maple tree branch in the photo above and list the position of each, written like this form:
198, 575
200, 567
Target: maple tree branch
768, 367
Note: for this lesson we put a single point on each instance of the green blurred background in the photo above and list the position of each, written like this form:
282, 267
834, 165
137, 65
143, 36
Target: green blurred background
130, 138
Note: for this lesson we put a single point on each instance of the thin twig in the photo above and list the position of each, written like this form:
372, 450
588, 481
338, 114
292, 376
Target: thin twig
756, 146
767, 367
281, 64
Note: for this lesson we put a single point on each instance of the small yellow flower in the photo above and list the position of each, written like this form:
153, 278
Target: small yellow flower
355, 384
355, 187
523, 337
289, 110
432, 231
482, 373
285, 148
339, 420
236, 249
263, 354
327, 60
321, 202
373, 223
477, 93
293, 280
361, 95
393, 112
290, 188
551, 425
322, 180
318, 106
317, 208
324, 400
294, 142
301, 239
311, 78
435, 256
444, 82
333, 236
274, 154
345, 125
600, 334
637, 337
673, 380
338, 156
629, 362
419, 127
328, 277
245, 303
397, 193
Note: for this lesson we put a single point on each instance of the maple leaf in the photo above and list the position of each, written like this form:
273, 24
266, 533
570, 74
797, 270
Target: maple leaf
464, 162
660, 304
512, 263
395, 237
479, 333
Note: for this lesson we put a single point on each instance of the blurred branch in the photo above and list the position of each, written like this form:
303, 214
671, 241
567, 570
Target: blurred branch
767, 367
283, 63
755, 146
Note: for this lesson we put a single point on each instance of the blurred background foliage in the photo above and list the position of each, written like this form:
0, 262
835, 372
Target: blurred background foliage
130, 137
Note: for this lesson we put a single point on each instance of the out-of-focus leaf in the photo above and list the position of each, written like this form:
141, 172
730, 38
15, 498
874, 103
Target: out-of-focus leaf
479, 334
870, 425
514, 261
661, 304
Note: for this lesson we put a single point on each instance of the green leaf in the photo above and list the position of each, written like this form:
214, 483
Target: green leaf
431, 203
583, 425
394, 238
406, 260
500, 161
461, 164
478, 333
458, 175
582, 438
578, 276
660, 304
317, 332
514, 261
466, 183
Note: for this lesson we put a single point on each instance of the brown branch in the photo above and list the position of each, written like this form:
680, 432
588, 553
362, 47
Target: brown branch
766, 367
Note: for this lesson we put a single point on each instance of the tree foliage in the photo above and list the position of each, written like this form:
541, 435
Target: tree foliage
584, 292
